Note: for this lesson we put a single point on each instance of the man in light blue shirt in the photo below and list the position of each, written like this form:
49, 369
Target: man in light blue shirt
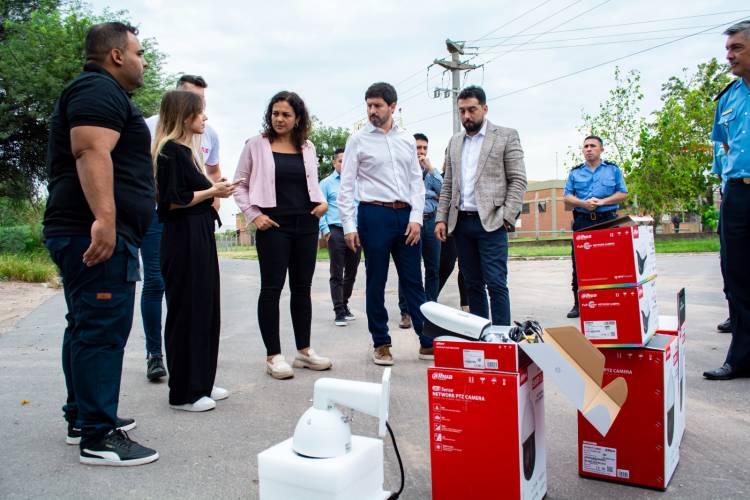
594, 188
433, 182
732, 130
343, 261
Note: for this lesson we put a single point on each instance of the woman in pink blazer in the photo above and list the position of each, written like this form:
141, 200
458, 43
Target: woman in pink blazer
278, 191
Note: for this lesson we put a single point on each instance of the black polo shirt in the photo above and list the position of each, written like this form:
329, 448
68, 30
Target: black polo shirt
95, 98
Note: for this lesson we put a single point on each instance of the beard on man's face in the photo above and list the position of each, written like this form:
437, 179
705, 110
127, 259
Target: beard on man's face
472, 126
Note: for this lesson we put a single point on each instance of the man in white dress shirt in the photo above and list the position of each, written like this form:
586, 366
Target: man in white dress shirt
380, 163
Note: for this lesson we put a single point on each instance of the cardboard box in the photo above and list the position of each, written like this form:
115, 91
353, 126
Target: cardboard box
487, 433
483, 356
618, 317
675, 325
577, 368
621, 256
642, 446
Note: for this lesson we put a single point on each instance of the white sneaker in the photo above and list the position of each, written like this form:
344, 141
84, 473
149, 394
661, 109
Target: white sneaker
312, 361
218, 393
278, 368
203, 404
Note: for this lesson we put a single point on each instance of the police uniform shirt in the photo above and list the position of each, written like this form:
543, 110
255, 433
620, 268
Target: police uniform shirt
605, 180
732, 127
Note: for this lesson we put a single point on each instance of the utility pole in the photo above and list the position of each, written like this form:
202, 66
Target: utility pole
455, 66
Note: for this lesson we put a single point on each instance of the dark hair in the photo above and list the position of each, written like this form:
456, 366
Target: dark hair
301, 131
196, 80
740, 27
419, 136
338, 151
596, 138
102, 38
383, 90
475, 92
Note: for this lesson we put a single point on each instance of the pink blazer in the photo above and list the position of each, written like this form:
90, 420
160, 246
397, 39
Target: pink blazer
256, 165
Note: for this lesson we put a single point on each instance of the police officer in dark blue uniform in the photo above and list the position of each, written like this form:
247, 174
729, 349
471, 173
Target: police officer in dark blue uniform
594, 188
732, 130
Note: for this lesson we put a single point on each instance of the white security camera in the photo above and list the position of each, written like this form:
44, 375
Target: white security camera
323, 431
442, 320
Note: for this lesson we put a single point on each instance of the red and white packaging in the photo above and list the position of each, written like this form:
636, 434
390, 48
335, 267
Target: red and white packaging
617, 317
614, 256
675, 325
642, 446
487, 433
486, 356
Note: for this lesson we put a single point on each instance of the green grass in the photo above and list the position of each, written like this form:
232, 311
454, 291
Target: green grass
710, 244
252, 254
33, 267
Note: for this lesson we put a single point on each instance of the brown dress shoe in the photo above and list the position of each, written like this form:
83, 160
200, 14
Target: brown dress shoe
426, 353
382, 355
405, 321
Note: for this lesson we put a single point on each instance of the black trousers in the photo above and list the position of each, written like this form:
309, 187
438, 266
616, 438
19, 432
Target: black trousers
344, 264
582, 221
292, 247
448, 257
735, 247
190, 269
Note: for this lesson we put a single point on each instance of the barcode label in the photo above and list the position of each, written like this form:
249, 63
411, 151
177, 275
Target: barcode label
599, 459
600, 329
623, 474
491, 364
473, 359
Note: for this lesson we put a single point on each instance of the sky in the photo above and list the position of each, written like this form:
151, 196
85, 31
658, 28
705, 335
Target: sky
330, 51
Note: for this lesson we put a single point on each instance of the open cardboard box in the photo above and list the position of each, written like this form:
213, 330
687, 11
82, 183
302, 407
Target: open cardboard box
623, 221
577, 368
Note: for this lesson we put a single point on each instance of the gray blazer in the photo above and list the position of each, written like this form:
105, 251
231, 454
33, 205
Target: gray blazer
500, 181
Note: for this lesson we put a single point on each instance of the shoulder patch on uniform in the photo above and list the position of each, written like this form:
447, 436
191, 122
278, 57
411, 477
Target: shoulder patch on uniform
725, 89
578, 166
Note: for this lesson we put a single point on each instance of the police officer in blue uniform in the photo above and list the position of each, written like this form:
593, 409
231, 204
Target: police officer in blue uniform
720, 165
594, 188
732, 130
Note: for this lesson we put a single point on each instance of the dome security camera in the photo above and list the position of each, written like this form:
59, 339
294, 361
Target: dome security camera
528, 427
669, 397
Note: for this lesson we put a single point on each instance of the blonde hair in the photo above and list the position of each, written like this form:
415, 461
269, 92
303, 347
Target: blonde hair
178, 106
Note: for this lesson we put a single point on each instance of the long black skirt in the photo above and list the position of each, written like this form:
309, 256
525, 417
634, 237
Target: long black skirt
190, 268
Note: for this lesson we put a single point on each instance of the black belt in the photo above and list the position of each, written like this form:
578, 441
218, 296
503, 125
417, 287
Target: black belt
468, 213
428, 216
594, 215
387, 204
739, 180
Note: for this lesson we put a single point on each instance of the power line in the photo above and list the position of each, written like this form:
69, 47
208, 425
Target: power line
546, 32
512, 21
596, 44
587, 68
603, 26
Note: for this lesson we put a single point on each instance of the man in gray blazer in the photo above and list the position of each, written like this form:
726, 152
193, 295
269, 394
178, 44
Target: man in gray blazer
483, 187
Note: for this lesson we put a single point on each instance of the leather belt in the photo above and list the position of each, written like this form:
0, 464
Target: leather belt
428, 216
387, 204
468, 213
594, 215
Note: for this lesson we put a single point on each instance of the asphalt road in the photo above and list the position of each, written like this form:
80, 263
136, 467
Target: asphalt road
214, 454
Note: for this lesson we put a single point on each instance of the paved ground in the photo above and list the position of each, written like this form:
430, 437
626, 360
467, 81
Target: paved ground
214, 454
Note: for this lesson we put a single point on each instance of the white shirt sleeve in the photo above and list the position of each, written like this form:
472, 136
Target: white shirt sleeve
347, 195
213, 139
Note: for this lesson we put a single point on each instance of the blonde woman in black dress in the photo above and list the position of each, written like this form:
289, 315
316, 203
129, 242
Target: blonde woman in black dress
189, 262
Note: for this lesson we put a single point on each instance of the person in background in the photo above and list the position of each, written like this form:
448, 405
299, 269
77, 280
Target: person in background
101, 192
594, 188
278, 191
153, 284
719, 167
433, 181
343, 261
189, 263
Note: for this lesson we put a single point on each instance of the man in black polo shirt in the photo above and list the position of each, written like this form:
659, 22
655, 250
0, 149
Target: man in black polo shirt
101, 197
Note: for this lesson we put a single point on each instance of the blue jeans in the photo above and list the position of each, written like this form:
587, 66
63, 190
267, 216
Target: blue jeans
381, 231
100, 303
153, 287
431, 259
483, 256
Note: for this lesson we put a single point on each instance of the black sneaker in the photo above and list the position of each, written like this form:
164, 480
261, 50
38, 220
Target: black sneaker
725, 326
573, 313
340, 320
155, 368
349, 315
74, 433
117, 449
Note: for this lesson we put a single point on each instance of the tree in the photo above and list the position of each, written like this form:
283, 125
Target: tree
675, 152
41, 50
326, 140
618, 120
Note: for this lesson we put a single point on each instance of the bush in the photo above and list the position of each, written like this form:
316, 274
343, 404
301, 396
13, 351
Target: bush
25, 238
35, 267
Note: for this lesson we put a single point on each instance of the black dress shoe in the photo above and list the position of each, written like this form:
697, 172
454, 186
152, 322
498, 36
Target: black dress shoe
725, 326
726, 372
573, 313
